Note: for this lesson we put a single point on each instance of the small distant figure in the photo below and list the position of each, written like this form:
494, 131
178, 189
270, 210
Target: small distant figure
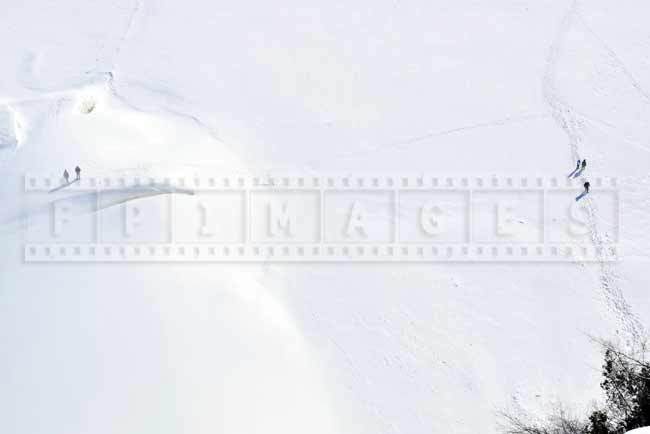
66, 176
582, 166
576, 169
77, 170
584, 193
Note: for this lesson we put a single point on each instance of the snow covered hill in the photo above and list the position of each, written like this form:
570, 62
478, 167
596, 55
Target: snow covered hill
460, 88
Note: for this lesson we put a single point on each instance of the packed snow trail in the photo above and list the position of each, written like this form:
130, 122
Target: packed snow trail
573, 124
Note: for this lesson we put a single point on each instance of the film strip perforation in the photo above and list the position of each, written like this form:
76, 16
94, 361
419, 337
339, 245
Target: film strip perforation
364, 182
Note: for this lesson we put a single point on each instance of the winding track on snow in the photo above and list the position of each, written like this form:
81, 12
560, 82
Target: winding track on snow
573, 123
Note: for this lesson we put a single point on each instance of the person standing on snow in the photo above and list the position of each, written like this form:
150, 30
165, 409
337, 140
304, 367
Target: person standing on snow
77, 170
586, 187
66, 176
573, 174
584, 164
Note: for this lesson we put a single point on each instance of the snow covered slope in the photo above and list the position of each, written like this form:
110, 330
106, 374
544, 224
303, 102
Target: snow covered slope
141, 87
640, 431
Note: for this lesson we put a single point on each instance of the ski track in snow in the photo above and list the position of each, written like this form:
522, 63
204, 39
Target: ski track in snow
613, 56
129, 28
573, 124
400, 144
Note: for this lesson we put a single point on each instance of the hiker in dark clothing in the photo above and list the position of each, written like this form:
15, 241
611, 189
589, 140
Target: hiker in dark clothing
575, 171
587, 187
584, 164
77, 170
66, 176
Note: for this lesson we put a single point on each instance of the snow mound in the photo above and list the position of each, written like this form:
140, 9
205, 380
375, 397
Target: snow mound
645, 430
86, 105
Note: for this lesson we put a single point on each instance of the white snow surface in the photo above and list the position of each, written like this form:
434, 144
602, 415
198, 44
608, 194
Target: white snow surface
463, 87
645, 430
